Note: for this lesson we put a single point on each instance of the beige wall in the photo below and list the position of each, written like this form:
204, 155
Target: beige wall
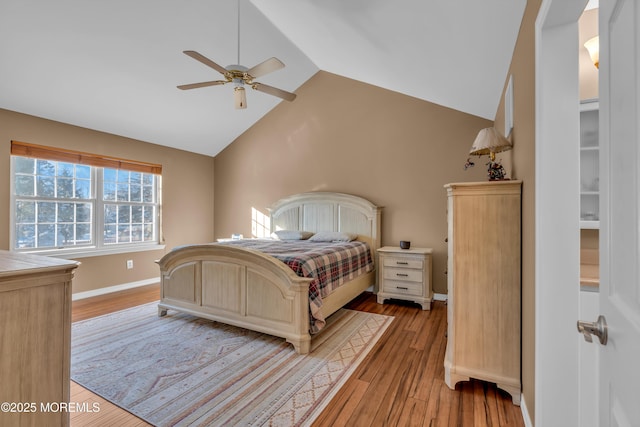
187, 193
523, 136
346, 136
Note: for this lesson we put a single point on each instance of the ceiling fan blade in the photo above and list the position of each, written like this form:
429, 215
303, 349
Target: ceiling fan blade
206, 61
203, 84
287, 96
265, 67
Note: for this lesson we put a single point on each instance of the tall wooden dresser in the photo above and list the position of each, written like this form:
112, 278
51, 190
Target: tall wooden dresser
484, 284
35, 339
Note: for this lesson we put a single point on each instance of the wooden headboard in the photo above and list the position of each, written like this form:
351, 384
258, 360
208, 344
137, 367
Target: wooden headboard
326, 211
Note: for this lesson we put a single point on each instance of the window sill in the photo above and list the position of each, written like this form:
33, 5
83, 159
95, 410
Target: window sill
74, 253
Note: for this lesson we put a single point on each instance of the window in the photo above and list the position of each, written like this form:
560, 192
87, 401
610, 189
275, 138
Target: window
65, 204
129, 206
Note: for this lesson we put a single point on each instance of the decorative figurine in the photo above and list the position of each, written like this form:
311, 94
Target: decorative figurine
469, 164
496, 172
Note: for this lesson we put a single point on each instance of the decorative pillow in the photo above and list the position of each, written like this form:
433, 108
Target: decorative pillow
291, 235
333, 236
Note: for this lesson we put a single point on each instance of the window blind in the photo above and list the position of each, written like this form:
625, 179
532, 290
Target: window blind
58, 154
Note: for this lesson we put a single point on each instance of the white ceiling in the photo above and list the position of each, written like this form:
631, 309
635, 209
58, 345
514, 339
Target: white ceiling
114, 65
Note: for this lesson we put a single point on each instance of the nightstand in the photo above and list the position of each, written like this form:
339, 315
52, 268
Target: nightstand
405, 274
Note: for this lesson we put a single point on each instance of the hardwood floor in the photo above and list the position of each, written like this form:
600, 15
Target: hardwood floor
400, 383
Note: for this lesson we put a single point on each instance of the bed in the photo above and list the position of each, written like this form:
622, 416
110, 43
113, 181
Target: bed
245, 287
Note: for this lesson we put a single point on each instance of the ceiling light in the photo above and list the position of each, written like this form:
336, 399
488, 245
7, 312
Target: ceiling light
593, 46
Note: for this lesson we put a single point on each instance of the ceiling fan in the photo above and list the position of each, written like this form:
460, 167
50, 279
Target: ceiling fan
240, 75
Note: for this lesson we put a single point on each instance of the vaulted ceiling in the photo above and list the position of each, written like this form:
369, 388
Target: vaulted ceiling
114, 65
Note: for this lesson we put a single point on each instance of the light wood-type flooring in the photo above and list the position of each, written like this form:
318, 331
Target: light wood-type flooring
400, 383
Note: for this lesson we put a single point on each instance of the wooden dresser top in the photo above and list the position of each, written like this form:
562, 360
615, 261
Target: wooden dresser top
13, 264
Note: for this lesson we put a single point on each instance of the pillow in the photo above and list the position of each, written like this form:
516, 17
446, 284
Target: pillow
333, 236
291, 235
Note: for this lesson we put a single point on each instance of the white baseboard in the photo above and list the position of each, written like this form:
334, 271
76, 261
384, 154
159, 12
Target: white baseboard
115, 288
525, 413
440, 297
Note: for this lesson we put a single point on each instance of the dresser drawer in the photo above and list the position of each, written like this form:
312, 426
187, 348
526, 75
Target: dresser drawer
403, 274
403, 288
403, 262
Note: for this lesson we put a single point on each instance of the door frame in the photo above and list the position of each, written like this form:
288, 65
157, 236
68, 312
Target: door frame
557, 213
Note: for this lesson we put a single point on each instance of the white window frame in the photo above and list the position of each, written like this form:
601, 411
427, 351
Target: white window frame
97, 222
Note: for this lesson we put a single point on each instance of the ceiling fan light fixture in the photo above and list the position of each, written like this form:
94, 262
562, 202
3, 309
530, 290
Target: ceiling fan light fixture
240, 97
240, 75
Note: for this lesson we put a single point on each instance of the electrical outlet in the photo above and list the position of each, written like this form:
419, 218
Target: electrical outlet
129, 264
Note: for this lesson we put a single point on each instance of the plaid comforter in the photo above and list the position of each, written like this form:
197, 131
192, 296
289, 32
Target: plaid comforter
329, 264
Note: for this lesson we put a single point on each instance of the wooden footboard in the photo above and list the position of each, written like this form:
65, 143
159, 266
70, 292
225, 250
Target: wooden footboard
239, 287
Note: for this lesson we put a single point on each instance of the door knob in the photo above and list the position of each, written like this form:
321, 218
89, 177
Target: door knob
597, 328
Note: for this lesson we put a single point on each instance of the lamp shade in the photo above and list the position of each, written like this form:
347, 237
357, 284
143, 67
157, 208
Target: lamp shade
593, 46
240, 97
489, 141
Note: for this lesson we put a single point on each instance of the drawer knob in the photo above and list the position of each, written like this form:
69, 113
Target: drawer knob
402, 275
402, 287
402, 263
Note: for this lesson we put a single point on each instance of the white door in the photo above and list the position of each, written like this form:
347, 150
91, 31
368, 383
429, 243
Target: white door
620, 211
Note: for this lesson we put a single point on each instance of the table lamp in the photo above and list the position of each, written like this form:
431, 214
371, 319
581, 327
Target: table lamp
490, 141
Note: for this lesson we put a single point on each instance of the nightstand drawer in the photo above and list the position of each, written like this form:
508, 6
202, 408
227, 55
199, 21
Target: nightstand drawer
403, 274
403, 263
403, 288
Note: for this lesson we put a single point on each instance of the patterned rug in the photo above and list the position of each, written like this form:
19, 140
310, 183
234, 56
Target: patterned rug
180, 370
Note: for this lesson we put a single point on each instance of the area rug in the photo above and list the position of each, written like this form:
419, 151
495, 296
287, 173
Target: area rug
180, 370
